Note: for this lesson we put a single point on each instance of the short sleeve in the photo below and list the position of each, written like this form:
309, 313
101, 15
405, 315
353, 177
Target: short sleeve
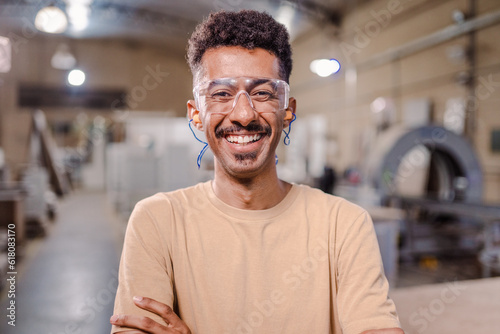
362, 288
145, 265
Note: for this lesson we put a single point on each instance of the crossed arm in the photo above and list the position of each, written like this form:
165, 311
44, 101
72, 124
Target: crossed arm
175, 324
147, 325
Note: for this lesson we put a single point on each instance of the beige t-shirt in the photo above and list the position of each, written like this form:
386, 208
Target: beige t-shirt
311, 264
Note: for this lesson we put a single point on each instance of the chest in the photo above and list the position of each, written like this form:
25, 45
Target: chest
226, 269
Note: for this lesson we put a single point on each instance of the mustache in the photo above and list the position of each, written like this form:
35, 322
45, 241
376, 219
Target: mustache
221, 132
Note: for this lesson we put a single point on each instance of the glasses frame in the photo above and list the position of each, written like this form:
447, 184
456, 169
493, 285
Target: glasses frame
196, 93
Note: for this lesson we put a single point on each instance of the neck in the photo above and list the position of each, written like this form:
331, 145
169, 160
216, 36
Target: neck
260, 192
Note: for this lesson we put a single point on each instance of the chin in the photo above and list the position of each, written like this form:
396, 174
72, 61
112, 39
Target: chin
246, 168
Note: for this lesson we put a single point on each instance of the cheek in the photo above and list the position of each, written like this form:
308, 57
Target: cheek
210, 123
277, 123
205, 120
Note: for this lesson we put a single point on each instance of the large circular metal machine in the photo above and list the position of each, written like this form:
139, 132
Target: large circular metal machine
435, 176
430, 161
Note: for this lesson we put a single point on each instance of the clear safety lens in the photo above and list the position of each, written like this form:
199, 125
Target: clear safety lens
264, 95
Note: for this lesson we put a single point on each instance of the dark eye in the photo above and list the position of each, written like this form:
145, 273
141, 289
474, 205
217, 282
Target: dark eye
221, 95
262, 95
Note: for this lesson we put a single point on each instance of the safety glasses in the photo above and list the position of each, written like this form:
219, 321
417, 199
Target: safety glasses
220, 96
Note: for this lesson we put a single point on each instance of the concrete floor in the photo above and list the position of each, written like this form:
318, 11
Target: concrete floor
67, 281
454, 307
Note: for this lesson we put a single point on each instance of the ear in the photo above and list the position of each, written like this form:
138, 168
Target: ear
290, 111
194, 114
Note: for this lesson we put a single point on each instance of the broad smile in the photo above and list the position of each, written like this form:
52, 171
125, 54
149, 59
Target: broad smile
243, 139
243, 145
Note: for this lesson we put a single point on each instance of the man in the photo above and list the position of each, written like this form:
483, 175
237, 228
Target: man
248, 252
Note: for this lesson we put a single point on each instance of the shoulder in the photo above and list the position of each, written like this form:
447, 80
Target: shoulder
328, 204
161, 199
165, 204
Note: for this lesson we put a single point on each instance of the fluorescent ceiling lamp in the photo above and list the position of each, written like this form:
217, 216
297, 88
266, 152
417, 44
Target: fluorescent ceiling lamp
324, 67
78, 13
63, 59
5, 55
78, 16
285, 15
76, 77
51, 20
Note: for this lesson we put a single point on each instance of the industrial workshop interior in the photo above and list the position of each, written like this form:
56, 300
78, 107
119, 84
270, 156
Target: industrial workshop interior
397, 112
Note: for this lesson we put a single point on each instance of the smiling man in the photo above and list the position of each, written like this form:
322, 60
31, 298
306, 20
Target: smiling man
248, 252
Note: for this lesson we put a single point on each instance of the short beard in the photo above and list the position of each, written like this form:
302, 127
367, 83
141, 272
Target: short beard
247, 156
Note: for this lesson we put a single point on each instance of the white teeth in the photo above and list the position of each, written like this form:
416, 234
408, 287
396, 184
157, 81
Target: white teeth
243, 139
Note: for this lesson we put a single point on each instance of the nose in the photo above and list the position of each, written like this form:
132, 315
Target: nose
243, 111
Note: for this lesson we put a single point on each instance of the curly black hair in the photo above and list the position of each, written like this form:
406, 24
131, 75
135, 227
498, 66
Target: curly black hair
247, 28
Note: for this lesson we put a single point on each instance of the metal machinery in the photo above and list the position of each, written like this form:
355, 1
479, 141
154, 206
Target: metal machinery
434, 175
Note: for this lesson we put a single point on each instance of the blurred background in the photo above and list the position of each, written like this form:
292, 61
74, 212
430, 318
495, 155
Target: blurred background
397, 111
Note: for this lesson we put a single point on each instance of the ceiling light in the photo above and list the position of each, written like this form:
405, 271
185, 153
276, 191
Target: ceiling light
286, 15
51, 20
78, 13
324, 67
76, 77
78, 16
5, 54
63, 59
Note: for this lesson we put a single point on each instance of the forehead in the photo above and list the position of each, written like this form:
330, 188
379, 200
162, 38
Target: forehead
235, 61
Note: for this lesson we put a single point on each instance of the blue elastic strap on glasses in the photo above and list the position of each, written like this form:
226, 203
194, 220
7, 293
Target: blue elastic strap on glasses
198, 161
286, 140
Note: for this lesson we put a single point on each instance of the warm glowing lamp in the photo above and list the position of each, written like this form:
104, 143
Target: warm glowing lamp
51, 20
76, 77
324, 67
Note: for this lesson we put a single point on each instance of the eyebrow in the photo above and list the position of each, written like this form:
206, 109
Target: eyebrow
252, 84
260, 81
215, 82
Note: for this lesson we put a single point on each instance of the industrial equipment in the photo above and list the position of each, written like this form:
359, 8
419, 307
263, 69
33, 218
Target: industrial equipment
434, 175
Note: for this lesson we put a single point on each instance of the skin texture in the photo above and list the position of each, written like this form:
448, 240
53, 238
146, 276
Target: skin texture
146, 325
241, 182
248, 183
